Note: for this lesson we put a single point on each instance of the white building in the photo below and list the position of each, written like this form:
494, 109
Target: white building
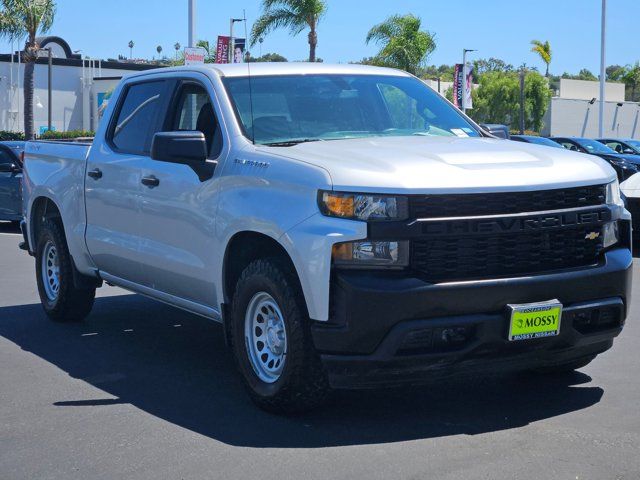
79, 87
575, 111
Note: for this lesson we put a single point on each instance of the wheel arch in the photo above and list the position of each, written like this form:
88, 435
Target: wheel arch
42, 208
243, 248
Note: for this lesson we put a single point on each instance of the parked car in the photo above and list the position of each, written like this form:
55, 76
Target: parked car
342, 240
497, 130
627, 146
625, 165
631, 194
536, 140
11, 181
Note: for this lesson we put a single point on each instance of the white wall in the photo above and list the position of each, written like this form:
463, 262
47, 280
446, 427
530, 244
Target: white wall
586, 90
578, 118
67, 104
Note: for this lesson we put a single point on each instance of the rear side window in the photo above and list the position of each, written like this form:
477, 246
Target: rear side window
137, 119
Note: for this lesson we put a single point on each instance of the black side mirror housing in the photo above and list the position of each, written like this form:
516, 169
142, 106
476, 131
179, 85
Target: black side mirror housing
179, 147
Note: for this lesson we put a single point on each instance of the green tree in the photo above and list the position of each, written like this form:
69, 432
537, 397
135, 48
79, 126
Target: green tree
615, 73
27, 18
584, 74
296, 15
269, 57
543, 49
497, 99
209, 54
404, 45
482, 66
631, 78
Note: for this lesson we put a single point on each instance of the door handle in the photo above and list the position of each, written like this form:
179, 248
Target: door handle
96, 173
151, 181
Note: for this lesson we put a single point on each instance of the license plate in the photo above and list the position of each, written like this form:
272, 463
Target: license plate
535, 320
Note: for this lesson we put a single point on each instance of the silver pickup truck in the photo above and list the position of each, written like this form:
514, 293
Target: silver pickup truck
347, 226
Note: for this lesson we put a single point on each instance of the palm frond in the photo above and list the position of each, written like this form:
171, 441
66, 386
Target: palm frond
275, 19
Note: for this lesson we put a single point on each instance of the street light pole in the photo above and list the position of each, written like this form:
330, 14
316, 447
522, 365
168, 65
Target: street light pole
50, 93
603, 70
231, 42
192, 23
464, 78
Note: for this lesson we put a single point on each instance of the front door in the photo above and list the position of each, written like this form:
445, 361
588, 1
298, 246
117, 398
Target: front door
178, 204
113, 183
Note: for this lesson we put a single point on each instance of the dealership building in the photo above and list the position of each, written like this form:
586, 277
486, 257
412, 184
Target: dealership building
575, 111
80, 87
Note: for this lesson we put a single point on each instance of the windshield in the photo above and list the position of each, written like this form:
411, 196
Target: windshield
635, 144
290, 109
593, 146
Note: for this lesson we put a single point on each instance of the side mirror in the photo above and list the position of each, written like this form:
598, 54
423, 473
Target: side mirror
628, 151
10, 168
188, 148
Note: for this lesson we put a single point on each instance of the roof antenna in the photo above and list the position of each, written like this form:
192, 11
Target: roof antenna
248, 60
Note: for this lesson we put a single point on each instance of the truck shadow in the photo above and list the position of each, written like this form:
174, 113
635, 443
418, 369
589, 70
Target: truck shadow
175, 366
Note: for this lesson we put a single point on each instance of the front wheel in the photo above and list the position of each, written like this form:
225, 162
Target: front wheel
60, 298
272, 341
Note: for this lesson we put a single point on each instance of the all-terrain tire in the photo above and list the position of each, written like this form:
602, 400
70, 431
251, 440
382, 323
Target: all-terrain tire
65, 302
302, 384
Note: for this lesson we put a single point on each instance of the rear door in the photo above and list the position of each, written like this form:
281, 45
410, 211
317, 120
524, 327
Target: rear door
114, 172
177, 225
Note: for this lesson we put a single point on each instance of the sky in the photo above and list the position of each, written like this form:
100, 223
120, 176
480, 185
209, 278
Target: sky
496, 28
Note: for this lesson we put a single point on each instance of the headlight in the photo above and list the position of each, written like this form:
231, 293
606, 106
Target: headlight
366, 253
365, 207
613, 194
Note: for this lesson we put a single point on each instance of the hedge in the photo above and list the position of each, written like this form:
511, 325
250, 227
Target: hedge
53, 135
8, 136
49, 135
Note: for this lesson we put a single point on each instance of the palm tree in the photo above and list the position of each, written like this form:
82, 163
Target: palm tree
27, 18
543, 49
296, 15
404, 45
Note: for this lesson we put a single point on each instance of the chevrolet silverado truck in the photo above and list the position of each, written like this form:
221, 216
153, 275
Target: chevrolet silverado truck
347, 226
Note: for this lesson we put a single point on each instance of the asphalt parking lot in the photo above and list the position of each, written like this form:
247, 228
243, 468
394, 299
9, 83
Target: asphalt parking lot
144, 391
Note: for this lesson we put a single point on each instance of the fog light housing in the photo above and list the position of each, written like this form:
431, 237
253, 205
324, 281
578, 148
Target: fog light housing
370, 253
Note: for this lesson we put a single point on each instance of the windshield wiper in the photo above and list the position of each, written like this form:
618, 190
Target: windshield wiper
292, 142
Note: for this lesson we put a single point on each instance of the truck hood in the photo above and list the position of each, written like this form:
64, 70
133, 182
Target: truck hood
447, 164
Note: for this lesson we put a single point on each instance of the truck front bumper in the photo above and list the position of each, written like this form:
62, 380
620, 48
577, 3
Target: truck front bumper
391, 329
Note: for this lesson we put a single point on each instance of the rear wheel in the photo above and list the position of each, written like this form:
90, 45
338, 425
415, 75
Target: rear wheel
272, 342
60, 298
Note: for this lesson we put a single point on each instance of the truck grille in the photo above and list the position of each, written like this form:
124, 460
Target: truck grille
466, 258
476, 204
503, 254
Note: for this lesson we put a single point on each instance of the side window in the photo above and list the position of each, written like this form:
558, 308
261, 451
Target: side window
136, 121
617, 146
5, 157
194, 112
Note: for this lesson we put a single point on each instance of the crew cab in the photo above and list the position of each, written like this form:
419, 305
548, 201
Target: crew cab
347, 226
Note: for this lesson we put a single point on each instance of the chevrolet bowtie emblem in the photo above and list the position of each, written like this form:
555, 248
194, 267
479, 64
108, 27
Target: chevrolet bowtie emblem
592, 236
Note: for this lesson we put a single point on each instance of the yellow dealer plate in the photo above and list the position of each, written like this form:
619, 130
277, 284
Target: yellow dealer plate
535, 320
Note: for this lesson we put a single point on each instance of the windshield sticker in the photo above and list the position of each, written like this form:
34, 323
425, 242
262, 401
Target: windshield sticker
458, 132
